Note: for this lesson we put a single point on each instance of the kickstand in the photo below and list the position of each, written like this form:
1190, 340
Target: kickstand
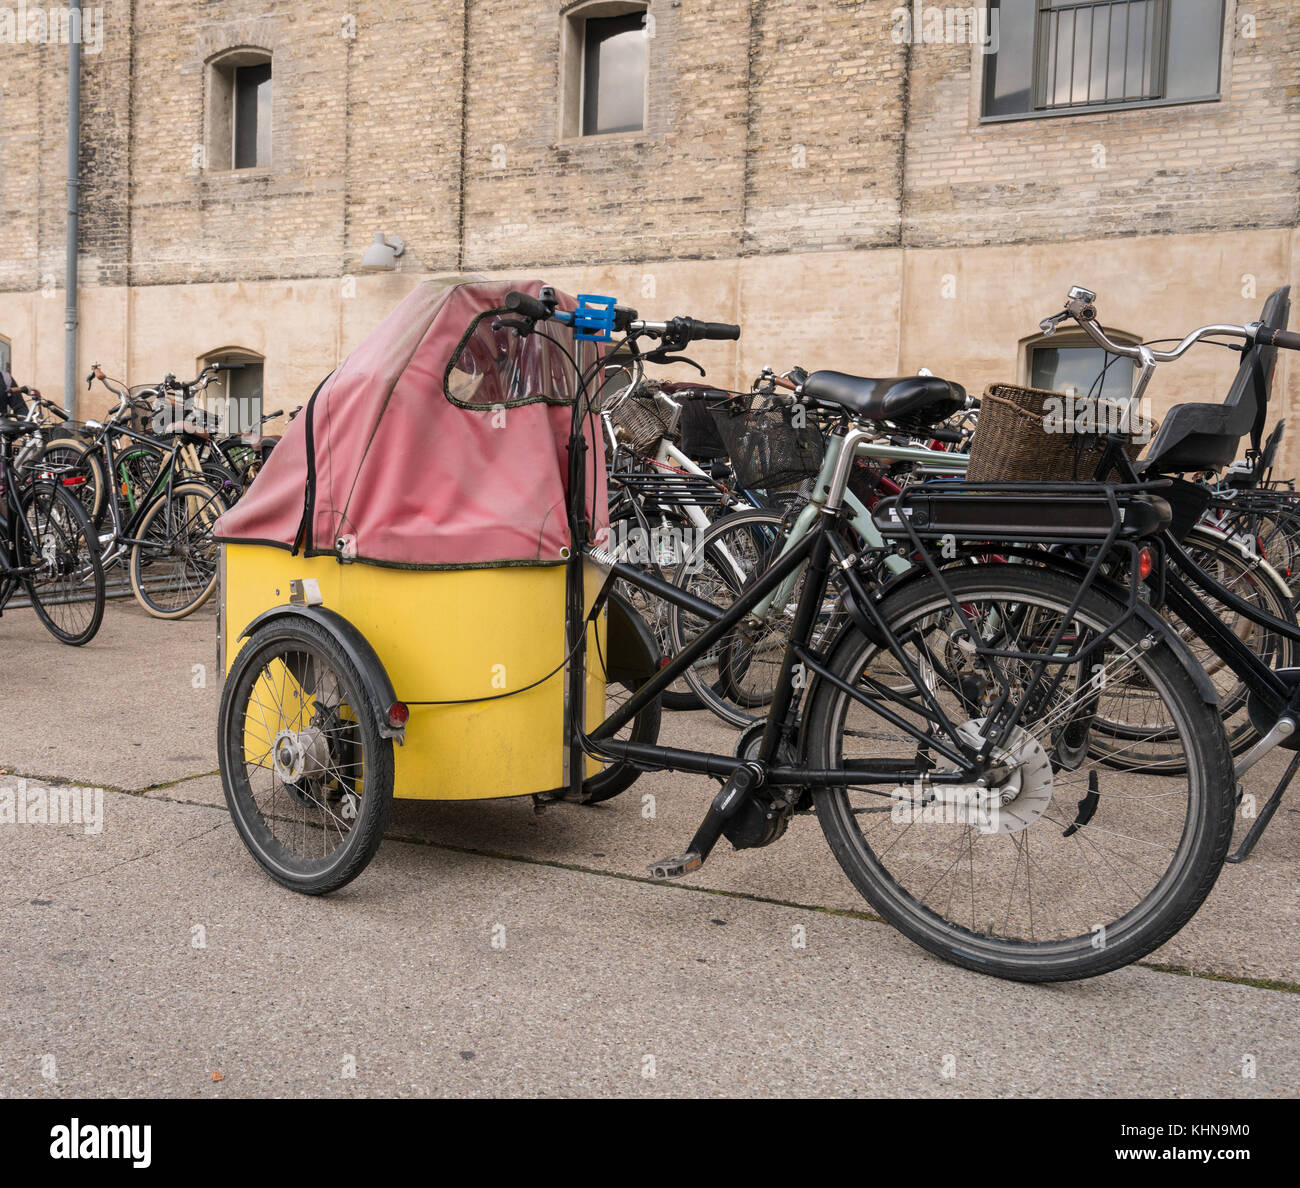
1266, 813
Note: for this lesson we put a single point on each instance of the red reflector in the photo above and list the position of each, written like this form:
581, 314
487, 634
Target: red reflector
398, 713
74, 482
1146, 563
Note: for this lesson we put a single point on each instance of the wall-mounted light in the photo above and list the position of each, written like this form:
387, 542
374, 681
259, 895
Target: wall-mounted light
381, 256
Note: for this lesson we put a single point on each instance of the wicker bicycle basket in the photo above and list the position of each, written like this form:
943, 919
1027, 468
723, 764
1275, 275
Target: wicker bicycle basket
767, 449
1031, 435
639, 421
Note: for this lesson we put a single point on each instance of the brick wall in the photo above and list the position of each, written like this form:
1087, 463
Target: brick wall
773, 126
1212, 166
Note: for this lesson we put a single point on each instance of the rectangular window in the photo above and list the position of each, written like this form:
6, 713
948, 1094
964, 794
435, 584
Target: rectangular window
1062, 56
1074, 370
614, 74
252, 116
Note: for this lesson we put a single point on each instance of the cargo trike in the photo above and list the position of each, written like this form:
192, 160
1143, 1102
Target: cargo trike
419, 601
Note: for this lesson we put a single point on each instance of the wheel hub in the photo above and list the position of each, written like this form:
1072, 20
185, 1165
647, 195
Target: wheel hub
300, 756
1013, 800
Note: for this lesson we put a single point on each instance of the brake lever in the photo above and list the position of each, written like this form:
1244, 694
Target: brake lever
658, 355
521, 326
1048, 325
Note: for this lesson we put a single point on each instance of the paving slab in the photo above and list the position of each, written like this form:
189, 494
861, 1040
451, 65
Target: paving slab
137, 706
601, 968
149, 958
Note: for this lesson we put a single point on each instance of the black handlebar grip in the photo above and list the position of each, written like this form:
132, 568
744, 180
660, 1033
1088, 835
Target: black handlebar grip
1288, 340
57, 411
529, 307
719, 330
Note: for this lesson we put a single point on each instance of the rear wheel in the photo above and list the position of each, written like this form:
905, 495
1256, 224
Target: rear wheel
1058, 866
67, 589
174, 570
307, 776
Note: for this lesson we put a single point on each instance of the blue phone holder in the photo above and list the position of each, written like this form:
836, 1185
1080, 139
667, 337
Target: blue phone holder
593, 320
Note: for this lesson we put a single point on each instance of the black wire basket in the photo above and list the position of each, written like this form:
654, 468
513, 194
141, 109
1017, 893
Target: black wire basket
767, 448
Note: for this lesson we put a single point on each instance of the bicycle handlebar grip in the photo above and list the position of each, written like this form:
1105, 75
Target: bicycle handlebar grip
1288, 340
529, 307
717, 330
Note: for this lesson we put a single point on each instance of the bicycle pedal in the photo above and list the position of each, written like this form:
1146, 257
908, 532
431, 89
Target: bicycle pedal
676, 866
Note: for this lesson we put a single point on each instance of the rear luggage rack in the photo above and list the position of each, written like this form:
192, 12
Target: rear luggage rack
1043, 513
672, 487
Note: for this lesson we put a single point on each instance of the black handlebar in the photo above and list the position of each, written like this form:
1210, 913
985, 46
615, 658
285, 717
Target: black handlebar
1288, 340
528, 307
722, 331
679, 331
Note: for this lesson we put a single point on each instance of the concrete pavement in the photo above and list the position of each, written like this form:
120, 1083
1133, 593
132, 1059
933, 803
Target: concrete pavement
492, 950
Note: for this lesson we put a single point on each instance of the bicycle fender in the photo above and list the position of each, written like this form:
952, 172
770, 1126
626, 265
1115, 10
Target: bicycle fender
1266, 567
631, 650
374, 676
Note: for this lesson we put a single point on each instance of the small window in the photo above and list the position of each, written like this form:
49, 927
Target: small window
613, 91
1081, 370
239, 117
1063, 56
252, 132
235, 399
605, 46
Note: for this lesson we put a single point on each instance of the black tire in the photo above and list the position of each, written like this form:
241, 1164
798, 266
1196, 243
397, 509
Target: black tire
1195, 836
175, 571
738, 679
343, 738
680, 698
68, 590
644, 728
72, 459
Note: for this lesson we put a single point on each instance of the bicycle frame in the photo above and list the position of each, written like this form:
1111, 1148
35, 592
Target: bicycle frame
856, 514
816, 548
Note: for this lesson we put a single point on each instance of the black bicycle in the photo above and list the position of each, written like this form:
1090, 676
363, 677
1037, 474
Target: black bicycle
47, 544
160, 507
940, 737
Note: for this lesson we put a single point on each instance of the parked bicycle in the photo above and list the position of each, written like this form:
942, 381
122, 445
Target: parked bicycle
161, 526
47, 543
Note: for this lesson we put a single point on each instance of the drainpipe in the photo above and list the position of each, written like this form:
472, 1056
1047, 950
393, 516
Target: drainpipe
70, 279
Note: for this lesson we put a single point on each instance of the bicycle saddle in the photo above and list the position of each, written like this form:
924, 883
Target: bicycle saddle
11, 428
902, 400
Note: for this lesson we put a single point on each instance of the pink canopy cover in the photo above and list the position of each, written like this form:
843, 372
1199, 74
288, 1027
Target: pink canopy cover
384, 466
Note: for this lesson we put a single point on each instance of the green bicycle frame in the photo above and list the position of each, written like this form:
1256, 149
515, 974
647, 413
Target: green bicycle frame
856, 512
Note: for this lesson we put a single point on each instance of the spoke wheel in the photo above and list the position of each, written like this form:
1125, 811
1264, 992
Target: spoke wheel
1061, 867
67, 587
174, 570
79, 469
307, 775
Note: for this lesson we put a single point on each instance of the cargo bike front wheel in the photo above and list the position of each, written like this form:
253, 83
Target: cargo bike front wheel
307, 775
